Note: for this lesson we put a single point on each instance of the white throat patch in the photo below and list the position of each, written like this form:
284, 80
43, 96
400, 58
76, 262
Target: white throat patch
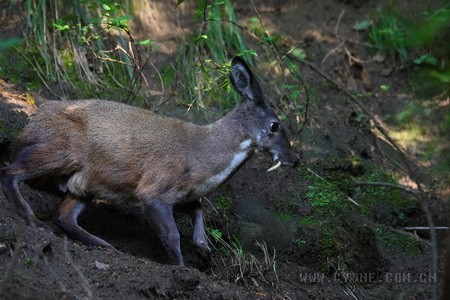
216, 180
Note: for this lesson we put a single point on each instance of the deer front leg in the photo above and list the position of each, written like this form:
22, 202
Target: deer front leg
194, 210
161, 217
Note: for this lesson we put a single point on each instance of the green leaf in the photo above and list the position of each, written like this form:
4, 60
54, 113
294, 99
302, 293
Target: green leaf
250, 52
384, 88
443, 77
364, 25
123, 20
426, 58
274, 38
61, 25
299, 53
200, 9
216, 233
8, 43
146, 43
106, 7
201, 37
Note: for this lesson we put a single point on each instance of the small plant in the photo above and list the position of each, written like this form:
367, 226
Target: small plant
395, 241
384, 88
390, 33
394, 203
29, 262
320, 197
243, 267
224, 202
300, 241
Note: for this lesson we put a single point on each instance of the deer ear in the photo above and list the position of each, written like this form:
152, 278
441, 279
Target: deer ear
242, 78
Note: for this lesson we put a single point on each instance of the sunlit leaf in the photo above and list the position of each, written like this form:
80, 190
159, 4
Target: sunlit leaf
146, 43
299, 53
251, 52
61, 25
384, 88
124, 18
201, 37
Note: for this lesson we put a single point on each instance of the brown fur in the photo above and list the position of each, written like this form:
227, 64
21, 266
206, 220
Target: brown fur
122, 150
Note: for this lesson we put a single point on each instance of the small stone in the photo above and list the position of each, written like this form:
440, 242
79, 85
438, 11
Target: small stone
386, 72
3, 247
101, 266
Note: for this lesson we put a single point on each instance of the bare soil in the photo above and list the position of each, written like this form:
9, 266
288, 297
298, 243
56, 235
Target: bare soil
36, 265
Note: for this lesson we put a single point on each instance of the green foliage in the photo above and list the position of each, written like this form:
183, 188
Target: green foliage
29, 262
203, 64
321, 195
328, 242
224, 202
391, 203
426, 59
241, 265
395, 33
393, 240
325, 197
9, 43
422, 45
384, 88
390, 33
16, 69
216, 234
84, 46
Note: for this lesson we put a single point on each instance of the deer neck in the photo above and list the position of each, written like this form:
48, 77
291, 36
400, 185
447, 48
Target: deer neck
229, 147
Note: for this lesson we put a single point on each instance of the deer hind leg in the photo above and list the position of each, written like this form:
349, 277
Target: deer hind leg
10, 180
66, 218
32, 160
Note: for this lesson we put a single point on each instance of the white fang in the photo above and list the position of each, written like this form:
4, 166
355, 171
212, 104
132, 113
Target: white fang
276, 166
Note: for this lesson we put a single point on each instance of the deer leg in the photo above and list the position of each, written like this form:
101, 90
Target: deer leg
10, 185
66, 218
194, 211
161, 217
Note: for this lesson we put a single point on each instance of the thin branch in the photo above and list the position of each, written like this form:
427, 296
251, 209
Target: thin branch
426, 228
387, 184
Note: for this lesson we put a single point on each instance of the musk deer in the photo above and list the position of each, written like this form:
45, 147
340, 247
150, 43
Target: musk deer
103, 149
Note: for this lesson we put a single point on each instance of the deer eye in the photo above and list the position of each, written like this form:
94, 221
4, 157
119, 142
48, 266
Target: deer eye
274, 127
